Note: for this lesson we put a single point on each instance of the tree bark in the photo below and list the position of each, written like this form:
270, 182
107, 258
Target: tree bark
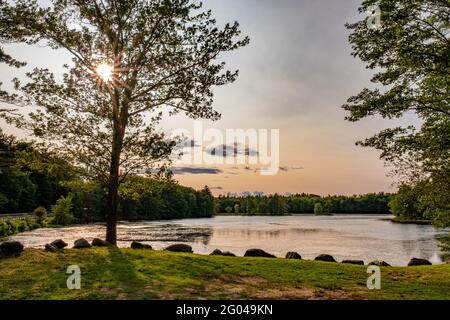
113, 184
111, 213
113, 200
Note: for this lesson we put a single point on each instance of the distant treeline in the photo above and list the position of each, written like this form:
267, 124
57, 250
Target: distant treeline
142, 198
30, 178
303, 203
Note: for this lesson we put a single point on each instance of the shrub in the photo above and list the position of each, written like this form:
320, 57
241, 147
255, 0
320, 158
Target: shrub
62, 211
318, 208
32, 223
40, 213
13, 227
43, 223
22, 226
3, 229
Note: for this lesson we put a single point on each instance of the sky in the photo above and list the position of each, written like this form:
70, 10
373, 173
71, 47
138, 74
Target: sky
294, 76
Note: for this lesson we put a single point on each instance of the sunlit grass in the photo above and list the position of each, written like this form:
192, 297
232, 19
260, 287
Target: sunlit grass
109, 273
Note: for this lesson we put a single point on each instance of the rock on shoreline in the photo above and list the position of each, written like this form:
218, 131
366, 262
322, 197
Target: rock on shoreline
81, 244
325, 258
180, 248
419, 262
293, 255
11, 248
258, 253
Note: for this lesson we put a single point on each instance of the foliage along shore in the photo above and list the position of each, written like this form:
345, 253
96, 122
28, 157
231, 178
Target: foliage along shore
111, 273
252, 204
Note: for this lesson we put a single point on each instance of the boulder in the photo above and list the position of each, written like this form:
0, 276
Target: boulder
325, 258
293, 255
11, 248
59, 244
99, 243
180, 248
358, 262
51, 248
419, 262
228, 254
218, 252
81, 244
379, 263
258, 253
138, 245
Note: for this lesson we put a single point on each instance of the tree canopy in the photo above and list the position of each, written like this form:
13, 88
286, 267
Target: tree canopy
409, 53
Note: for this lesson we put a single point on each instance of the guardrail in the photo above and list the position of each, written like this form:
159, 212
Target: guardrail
19, 216
15, 216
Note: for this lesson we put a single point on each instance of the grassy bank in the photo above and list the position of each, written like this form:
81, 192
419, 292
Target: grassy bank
109, 273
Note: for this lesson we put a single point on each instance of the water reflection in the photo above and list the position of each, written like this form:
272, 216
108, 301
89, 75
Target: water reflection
346, 237
163, 233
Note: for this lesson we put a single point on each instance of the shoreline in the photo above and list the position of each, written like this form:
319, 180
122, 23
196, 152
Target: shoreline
417, 222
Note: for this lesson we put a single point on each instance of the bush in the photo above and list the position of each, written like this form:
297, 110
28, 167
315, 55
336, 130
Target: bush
22, 226
11, 227
40, 213
62, 211
43, 223
318, 208
3, 229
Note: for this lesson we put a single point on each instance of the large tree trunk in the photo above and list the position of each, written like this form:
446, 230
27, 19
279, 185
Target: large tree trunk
111, 212
113, 186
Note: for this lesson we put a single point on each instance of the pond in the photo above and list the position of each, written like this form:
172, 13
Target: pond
364, 237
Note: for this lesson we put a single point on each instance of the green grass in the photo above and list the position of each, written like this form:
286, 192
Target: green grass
110, 273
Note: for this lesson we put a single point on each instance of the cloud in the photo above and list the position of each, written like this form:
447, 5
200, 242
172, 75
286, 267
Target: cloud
258, 170
195, 170
231, 151
216, 188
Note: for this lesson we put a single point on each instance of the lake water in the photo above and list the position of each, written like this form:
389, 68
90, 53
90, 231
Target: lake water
365, 237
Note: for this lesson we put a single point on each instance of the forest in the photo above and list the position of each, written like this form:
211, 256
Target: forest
31, 178
303, 203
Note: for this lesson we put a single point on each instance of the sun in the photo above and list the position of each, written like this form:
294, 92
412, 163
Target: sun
108, 73
105, 71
